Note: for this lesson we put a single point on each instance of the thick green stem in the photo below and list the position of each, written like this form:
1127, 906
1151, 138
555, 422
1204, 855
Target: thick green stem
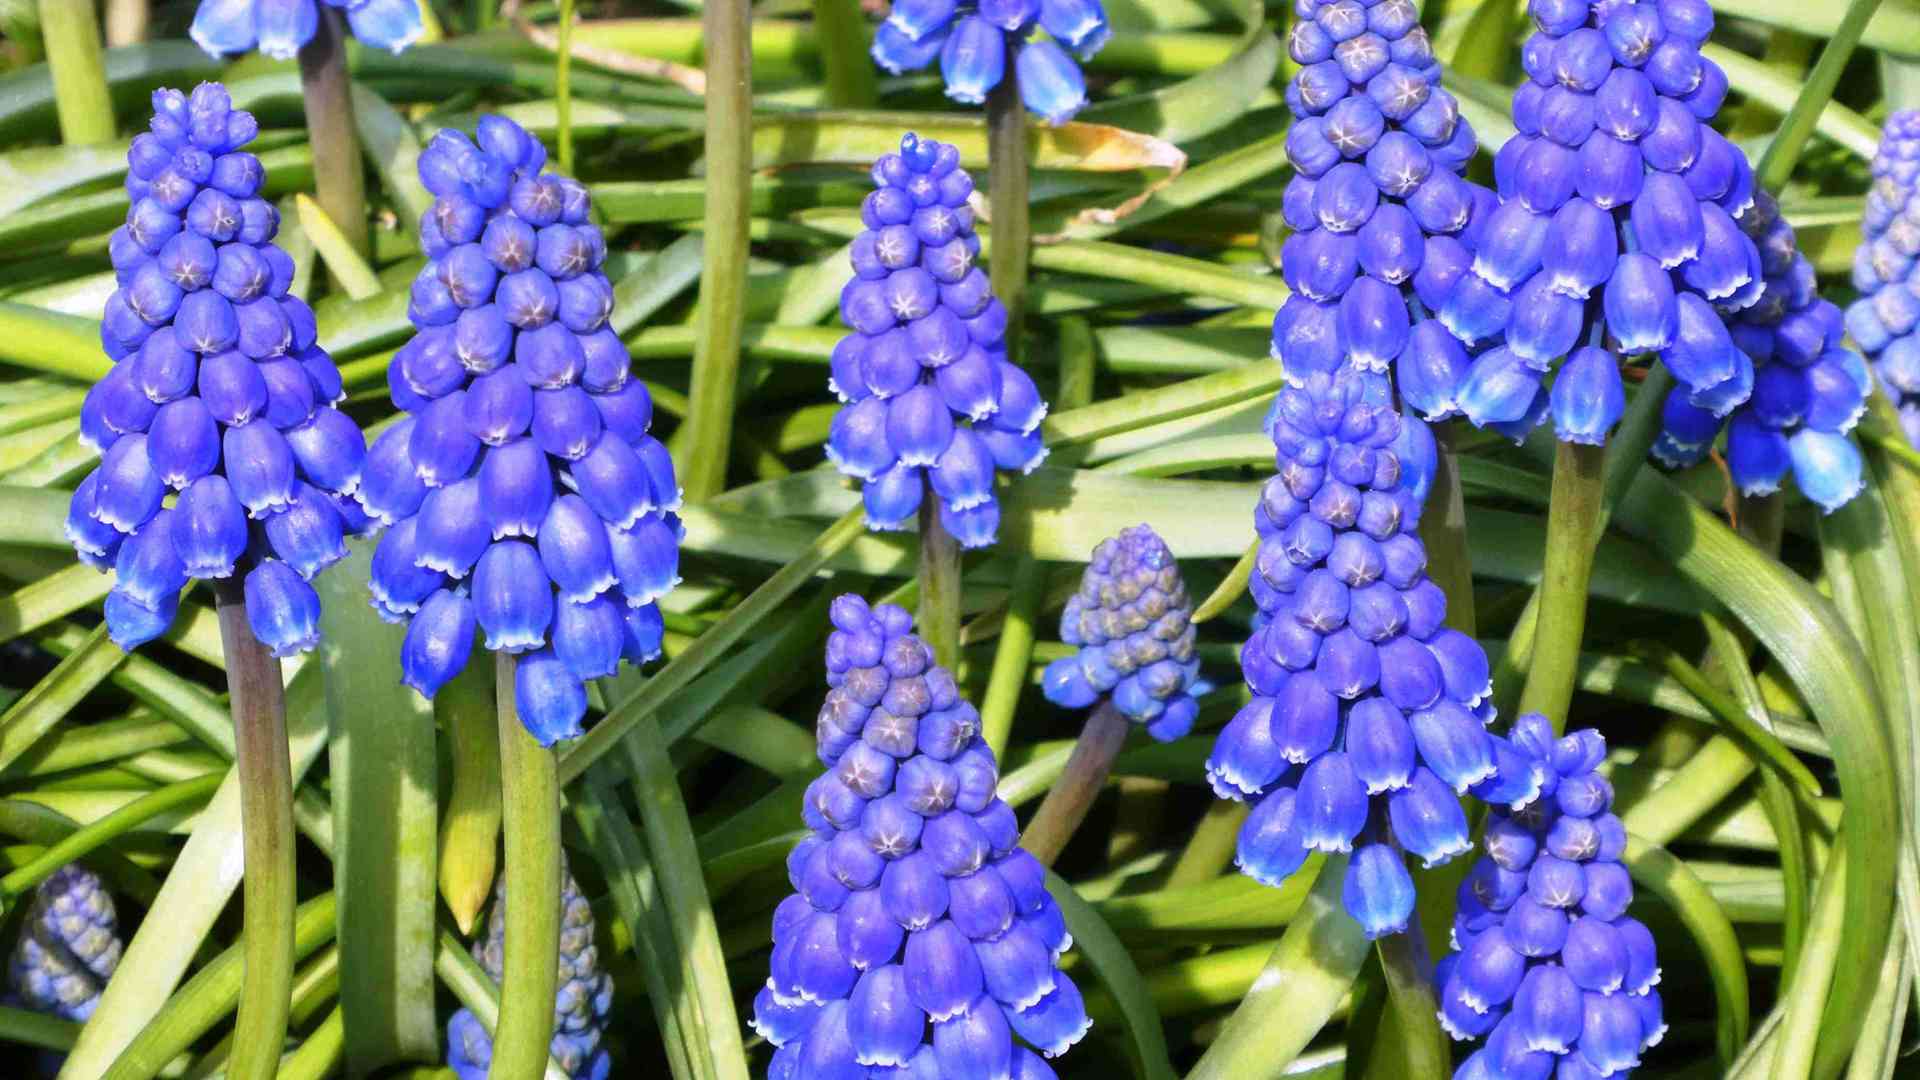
266, 827
723, 281
339, 177
1573, 528
127, 22
1007, 180
1443, 528
1072, 795
71, 32
851, 81
563, 89
1403, 957
939, 621
531, 806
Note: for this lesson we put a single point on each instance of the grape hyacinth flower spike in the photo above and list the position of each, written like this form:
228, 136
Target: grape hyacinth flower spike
1383, 224
1885, 320
1619, 226
1809, 389
1133, 625
1547, 965
920, 938
970, 39
580, 1009
219, 393
931, 400
280, 28
1368, 714
69, 946
522, 493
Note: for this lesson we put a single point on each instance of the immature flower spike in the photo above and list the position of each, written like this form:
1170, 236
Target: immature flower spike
921, 938
1885, 321
580, 1009
1133, 624
1368, 714
280, 28
69, 946
219, 392
970, 39
1546, 964
1808, 388
1614, 189
931, 398
524, 494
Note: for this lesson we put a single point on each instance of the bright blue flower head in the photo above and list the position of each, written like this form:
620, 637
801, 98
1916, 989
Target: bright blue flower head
69, 946
580, 1008
1546, 964
1621, 226
525, 497
931, 399
1807, 389
969, 38
280, 28
219, 393
1885, 321
1133, 623
1368, 714
921, 936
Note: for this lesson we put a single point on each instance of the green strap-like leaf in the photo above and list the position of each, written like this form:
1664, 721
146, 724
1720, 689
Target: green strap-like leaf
1095, 940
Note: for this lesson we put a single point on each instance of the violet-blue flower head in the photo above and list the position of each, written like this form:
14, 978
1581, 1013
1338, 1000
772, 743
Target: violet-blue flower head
69, 946
970, 39
1622, 227
931, 399
1132, 622
580, 1008
1546, 963
219, 392
280, 28
1807, 390
1368, 714
920, 937
525, 495
1885, 320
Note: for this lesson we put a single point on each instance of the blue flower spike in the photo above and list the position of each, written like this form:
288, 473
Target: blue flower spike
280, 28
1807, 390
1368, 718
969, 39
581, 1008
523, 493
1885, 320
1624, 227
931, 400
219, 395
69, 946
1546, 965
1383, 224
1133, 624
920, 940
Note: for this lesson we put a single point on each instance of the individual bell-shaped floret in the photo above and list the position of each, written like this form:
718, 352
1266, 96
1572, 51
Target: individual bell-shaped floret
920, 936
933, 407
525, 496
1132, 622
219, 393
280, 28
581, 1008
980, 43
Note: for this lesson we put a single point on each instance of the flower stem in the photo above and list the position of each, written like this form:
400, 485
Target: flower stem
563, 89
266, 828
1403, 957
1072, 795
1574, 522
939, 619
723, 281
71, 34
851, 83
338, 173
127, 22
1007, 202
531, 812
1444, 530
